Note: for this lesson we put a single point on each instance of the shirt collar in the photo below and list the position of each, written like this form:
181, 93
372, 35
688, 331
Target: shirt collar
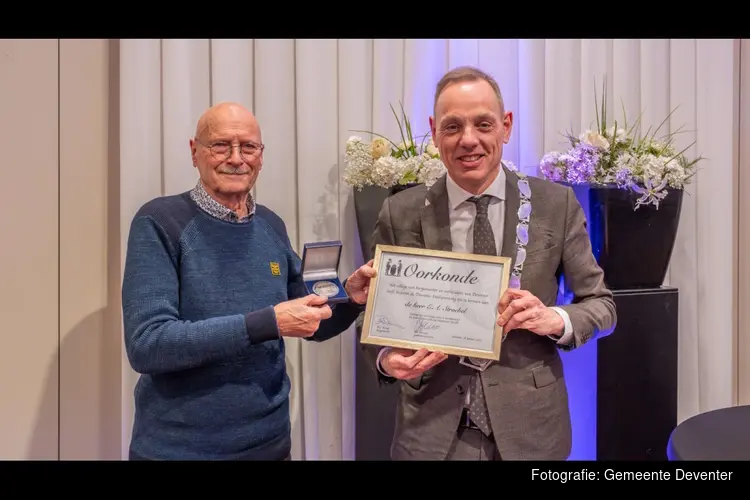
216, 209
458, 195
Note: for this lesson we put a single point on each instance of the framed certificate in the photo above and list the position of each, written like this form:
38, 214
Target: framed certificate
438, 300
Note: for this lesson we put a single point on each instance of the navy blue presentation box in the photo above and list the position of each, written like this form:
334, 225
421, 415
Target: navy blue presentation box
320, 270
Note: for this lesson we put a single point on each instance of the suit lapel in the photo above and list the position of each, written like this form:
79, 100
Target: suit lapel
436, 219
512, 201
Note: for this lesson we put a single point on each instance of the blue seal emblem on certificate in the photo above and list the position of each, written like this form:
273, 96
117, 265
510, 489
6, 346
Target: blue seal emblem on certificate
326, 288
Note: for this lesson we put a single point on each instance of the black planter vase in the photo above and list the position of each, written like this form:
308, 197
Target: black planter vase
367, 205
633, 247
401, 187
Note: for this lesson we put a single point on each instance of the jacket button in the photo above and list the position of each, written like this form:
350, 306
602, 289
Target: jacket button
460, 389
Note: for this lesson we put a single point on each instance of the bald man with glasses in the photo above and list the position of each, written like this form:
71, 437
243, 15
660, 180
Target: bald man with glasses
212, 286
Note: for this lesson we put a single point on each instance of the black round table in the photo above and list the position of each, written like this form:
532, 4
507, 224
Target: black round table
722, 434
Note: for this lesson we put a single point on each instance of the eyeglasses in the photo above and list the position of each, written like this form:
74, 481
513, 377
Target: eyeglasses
223, 150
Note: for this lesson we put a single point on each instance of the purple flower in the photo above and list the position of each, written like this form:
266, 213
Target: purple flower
624, 177
551, 167
581, 162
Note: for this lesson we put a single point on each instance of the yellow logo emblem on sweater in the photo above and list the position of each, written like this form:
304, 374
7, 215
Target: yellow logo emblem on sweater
275, 269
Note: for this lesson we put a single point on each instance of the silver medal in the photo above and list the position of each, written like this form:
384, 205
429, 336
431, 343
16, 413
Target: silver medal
326, 288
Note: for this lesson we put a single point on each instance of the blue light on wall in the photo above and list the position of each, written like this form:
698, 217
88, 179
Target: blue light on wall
580, 367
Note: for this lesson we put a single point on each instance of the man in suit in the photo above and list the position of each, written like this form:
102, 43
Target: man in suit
517, 408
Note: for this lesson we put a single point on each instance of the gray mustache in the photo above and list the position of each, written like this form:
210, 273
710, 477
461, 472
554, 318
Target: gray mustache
233, 171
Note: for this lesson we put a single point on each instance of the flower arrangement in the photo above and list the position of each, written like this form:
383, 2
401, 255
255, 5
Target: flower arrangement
624, 158
386, 164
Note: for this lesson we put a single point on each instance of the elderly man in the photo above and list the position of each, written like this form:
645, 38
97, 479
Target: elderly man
454, 408
211, 288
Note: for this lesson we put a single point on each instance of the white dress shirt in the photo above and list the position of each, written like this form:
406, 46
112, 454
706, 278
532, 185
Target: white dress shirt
462, 213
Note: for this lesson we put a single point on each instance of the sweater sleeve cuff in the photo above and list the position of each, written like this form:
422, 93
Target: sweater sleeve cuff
261, 325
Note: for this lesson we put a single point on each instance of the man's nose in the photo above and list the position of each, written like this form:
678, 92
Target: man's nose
235, 158
469, 137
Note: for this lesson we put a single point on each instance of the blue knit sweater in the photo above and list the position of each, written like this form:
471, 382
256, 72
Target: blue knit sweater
198, 297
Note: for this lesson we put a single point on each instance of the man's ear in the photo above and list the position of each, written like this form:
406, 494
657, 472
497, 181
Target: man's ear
508, 125
193, 152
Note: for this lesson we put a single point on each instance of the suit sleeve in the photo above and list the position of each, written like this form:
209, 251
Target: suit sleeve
382, 235
592, 311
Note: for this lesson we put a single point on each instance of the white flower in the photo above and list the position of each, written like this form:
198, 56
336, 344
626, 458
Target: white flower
674, 173
595, 139
653, 167
353, 142
407, 146
358, 162
432, 169
380, 163
431, 150
618, 135
626, 160
380, 147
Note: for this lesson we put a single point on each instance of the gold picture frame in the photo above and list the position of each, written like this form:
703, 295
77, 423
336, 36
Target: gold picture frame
438, 300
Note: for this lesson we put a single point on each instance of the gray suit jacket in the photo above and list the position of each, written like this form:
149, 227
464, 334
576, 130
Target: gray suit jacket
525, 390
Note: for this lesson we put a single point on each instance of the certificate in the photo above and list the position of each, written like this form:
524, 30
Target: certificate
438, 300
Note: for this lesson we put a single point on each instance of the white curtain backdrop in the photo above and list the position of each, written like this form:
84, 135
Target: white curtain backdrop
310, 94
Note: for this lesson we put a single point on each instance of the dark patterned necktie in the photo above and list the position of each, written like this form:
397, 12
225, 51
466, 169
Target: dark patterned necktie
484, 237
484, 243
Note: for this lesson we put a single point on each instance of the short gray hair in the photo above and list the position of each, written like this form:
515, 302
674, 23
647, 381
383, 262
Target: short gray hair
466, 74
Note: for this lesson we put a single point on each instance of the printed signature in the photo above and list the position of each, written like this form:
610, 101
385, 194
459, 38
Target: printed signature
384, 320
421, 326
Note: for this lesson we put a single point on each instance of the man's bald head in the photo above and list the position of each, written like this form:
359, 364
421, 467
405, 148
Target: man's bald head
226, 113
227, 150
